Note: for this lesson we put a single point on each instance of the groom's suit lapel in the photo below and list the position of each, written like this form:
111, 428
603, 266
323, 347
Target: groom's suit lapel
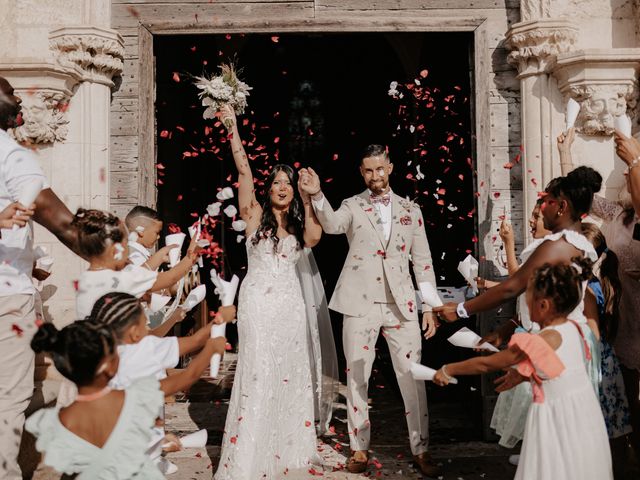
400, 211
371, 213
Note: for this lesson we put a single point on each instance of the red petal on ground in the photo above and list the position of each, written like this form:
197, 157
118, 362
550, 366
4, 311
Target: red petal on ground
164, 133
275, 39
176, 77
424, 73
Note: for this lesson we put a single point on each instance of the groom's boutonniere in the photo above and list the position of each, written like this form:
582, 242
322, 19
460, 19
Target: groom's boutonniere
406, 220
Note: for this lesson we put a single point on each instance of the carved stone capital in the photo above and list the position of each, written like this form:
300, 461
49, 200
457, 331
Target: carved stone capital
45, 90
44, 118
603, 82
535, 44
97, 52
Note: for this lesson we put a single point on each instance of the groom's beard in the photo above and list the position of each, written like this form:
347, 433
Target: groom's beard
379, 187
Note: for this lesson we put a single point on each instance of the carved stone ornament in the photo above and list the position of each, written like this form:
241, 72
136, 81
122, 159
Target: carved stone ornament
97, 52
45, 90
604, 83
44, 118
535, 44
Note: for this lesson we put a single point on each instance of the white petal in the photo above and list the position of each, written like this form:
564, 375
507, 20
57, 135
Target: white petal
230, 211
225, 194
214, 209
239, 225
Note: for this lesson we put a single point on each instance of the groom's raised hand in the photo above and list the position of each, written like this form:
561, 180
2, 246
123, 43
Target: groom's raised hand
309, 181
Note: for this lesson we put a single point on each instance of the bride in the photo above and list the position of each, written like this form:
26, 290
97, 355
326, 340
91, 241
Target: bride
270, 427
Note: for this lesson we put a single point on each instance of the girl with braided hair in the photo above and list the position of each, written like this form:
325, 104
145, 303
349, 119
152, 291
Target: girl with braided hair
105, 432
565, 435
142, 355
103, 239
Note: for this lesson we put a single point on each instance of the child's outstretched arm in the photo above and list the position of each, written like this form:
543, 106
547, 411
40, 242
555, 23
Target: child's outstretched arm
484, 364
158, 258
196, 341
166, 326
171, 277
190, 375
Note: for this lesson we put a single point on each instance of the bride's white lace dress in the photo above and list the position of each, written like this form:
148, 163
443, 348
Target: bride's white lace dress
270, 424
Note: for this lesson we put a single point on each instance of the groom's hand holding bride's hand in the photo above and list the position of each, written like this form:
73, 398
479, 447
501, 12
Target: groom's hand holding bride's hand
309, 182
429, 324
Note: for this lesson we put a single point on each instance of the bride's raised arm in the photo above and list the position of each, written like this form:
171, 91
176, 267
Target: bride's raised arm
250, 209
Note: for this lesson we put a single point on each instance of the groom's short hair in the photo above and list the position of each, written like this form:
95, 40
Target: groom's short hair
374, 151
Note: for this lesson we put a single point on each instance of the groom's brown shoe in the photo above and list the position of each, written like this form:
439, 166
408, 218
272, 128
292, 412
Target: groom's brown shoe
357, 465
426, 465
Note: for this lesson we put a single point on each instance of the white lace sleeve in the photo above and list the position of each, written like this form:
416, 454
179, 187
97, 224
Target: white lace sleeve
605, 209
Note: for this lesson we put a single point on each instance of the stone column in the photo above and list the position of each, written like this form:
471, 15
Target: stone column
605, 84
534, 46
66, 101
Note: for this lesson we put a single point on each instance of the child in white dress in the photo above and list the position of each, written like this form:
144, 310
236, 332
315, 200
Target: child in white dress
143, 355
103, 239
565, 435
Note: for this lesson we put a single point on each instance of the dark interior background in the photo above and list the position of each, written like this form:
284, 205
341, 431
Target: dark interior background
318, 100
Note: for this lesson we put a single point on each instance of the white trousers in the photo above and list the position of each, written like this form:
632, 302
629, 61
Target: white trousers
17, 327
359, 335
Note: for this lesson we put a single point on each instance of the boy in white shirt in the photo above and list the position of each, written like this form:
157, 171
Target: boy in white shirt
144, 226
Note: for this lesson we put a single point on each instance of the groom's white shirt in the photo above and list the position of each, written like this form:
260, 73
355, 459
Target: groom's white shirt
428, 290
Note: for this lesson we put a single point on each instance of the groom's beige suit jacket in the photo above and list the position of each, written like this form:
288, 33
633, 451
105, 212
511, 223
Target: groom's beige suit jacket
377, 270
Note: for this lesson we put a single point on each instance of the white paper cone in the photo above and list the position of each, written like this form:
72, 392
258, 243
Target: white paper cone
467, 338
226, 289
573, 109
28, 194
214, 365
174, 257
195, 440
468, 268
158, 302
175, 239
194, 298
429, 294
622, 123
420, 372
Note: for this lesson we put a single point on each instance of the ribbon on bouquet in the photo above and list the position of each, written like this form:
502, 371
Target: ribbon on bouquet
226, 291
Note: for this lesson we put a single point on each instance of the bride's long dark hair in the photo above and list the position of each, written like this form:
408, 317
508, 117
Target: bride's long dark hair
295, 216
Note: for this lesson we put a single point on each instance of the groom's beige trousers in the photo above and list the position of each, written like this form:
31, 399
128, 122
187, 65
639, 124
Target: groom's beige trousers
359, 335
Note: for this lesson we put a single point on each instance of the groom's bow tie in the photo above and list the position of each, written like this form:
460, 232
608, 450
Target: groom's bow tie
383, 199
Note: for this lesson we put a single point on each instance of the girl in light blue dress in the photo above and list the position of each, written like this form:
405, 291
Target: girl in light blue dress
104, 434
606, 289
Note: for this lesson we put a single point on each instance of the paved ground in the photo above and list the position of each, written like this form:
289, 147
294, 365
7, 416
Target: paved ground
455, 437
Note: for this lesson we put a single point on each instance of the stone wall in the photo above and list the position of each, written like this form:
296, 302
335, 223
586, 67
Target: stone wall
60, 56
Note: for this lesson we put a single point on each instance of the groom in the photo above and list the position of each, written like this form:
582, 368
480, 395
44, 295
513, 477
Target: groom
375, 292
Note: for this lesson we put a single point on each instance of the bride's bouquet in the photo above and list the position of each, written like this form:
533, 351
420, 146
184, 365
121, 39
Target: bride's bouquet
223, 89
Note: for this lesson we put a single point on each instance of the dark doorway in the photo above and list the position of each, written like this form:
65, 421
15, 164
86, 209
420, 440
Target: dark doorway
318, 99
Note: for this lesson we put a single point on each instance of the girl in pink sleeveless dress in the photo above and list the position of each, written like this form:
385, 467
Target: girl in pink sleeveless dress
565, 435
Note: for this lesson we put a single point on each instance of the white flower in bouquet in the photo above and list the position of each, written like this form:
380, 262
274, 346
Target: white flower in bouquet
223, 89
